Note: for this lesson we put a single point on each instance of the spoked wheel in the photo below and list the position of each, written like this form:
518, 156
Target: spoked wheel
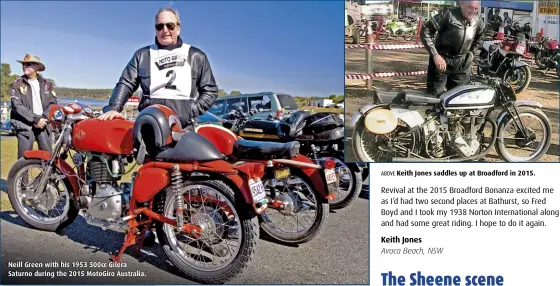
514, 145
228, 238
54, 209
519, 78
350, 184
541, 60
408, 37
298, 214
369, 147
383, 35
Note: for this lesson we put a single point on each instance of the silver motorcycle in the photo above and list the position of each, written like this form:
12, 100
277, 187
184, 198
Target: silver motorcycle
410, 126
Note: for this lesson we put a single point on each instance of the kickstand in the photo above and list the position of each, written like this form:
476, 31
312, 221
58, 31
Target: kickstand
129, 240
142, 237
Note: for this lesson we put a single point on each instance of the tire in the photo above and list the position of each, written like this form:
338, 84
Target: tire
66, 220
359, 148
357, 181
315, 229
527, 79
365, 173
357, 142
500, 148
538, 59
383, 36
249, 230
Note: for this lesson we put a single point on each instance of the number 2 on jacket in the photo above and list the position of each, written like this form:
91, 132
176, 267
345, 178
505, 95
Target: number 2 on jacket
169, 84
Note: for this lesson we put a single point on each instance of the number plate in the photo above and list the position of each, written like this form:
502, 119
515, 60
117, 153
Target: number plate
330, 174
281, 173
520, 49
257, 189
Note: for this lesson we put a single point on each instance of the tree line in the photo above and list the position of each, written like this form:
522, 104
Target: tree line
104, 94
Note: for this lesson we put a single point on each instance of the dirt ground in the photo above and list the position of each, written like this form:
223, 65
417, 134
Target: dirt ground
544, 88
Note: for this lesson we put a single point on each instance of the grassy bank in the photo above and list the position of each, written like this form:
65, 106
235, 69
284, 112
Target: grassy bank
314, 109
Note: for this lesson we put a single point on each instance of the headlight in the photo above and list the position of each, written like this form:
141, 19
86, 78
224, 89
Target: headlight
58, 115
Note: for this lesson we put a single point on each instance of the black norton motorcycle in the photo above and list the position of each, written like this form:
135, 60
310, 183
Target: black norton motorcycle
321, 135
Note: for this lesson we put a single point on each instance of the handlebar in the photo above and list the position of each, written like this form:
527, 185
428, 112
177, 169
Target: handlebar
490, 80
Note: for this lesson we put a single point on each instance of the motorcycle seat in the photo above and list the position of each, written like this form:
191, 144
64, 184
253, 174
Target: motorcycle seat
292, 127
414, 96
394, 97
191, 147
258, 150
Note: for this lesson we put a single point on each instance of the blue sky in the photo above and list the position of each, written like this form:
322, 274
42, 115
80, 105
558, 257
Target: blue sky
283, 46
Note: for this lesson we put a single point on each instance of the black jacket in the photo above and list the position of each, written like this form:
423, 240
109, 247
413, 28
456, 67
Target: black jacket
22, 116
452, 33
137, 74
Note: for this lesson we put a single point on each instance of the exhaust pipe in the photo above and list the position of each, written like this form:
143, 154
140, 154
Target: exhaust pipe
297, 163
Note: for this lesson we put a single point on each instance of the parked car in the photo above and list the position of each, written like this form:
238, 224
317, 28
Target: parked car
337, 105
209, 118
6, 128
269, 102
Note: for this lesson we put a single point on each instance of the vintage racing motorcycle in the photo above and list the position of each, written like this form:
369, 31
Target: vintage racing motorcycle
409, 126
321, 136
204, 209
546, 52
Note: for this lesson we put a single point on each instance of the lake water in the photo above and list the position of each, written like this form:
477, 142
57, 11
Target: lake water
93, 102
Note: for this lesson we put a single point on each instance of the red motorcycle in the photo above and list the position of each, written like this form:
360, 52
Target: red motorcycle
297, 188
185, 189
546, 52
515, 44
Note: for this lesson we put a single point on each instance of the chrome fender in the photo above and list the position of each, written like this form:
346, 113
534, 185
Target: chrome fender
519, 64
519, 103
410, 117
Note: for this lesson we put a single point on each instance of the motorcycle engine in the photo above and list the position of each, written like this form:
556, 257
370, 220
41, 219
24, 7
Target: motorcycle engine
106, 201
435, 143
463, 127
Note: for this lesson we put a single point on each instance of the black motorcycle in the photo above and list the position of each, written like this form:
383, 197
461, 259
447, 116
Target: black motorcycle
504, 62
321, 135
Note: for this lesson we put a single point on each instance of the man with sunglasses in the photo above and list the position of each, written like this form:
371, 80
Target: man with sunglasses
169, 72
31, 96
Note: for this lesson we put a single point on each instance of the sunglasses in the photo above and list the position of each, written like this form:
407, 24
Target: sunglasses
170, 26
28, 64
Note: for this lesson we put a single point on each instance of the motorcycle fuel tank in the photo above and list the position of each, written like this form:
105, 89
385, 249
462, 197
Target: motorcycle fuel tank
551, 44
469, 97
260, 129
223, 138
110, 137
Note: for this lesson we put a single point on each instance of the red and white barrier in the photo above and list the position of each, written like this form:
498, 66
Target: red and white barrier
401, 46
385, 47
383, 74
367, 76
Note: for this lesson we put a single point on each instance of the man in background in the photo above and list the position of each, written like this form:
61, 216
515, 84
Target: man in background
495, 20
4, 113
459, 34
31, 96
